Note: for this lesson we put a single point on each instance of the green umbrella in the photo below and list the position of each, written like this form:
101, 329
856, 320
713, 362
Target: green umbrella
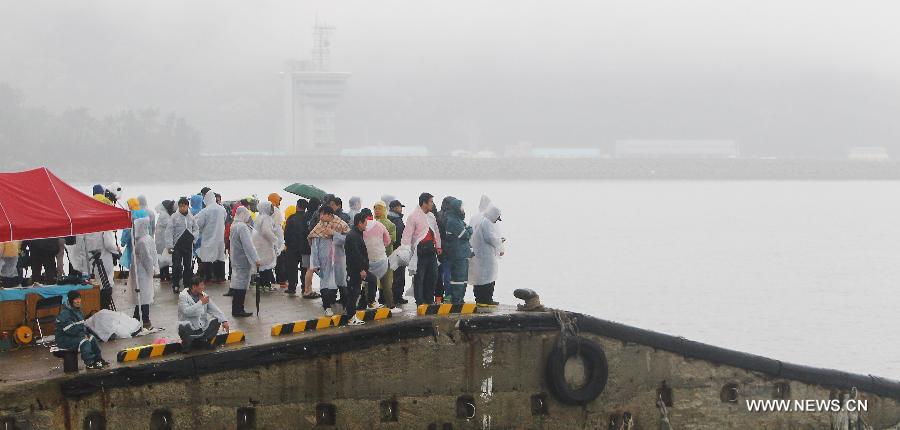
305, 190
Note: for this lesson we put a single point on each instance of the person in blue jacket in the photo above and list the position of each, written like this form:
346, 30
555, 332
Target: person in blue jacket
125, 242
72, 335
457, 250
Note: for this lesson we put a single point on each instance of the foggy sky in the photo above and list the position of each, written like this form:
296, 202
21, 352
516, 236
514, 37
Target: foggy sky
807, 78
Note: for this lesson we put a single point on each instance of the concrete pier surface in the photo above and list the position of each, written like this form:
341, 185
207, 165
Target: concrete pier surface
34, 362
500, 369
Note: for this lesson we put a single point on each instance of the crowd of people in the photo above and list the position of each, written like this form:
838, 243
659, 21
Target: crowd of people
361, 257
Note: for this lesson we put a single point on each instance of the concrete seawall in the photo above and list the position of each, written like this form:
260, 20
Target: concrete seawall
459, 372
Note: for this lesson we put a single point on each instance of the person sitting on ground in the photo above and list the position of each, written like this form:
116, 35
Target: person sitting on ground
198, 317
73, 335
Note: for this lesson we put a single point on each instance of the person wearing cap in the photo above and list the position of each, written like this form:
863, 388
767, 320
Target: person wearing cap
73, 335
395, 215
421, 240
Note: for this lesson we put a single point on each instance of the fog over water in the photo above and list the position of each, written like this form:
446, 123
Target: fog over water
804, 272
784, 78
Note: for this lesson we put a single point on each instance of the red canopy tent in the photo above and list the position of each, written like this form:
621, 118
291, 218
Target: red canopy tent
36, 204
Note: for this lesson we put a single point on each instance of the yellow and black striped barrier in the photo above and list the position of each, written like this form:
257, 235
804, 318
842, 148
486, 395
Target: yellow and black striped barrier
234, 336
364, 315
158, 350
148, 351
446, 309
301, 326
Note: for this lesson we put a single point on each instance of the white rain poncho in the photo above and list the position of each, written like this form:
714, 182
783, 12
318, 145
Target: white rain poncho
159, 233
475, 220
376, 238
486, 245
278, 228
142, 203
144, 265
196, 314
322, 258
106, 323
243, 253
264, 238
355, 206
105, 243
77, 255
211, 222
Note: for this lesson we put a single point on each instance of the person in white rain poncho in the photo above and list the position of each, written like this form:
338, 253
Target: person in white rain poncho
487, 245
211, 222
102, 246
244, 260
143, 266
164, 212
181, 233
142, 203
265, 240
355, 206
328, 235
77, 256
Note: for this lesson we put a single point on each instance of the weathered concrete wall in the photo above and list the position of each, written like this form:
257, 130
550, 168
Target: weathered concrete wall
425, 375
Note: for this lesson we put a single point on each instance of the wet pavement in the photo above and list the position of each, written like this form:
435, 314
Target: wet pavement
36, 362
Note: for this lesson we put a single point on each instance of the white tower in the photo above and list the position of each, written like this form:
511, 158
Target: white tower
312, 93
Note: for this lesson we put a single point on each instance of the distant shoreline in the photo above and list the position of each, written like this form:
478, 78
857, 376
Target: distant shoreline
300, 168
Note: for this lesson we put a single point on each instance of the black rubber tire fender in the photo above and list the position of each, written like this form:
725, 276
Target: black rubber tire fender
596, 367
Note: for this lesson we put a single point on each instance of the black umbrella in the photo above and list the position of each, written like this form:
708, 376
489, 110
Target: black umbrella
257, 295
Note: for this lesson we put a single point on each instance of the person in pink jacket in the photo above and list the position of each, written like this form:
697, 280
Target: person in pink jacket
422, 239
377, 239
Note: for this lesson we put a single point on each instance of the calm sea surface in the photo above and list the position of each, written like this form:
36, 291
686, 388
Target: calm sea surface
805, 272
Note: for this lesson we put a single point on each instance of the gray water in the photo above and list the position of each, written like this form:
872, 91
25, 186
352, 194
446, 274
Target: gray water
804, 272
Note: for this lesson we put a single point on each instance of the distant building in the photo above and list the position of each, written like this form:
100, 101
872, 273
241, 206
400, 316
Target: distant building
311, 95
677, 148
386, 151
565, 153
462, 153
868, 153
520, 149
